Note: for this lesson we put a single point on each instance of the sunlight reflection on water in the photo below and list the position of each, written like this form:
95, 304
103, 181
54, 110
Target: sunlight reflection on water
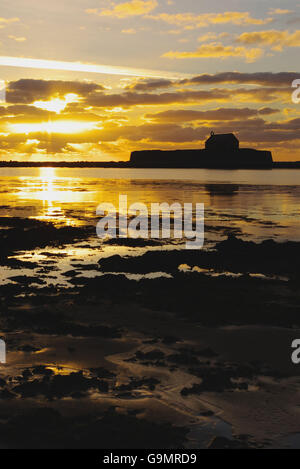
260, 203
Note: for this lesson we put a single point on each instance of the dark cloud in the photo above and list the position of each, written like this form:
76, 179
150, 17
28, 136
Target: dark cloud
259, 78
27, 91
225, 114
293, 21
130, 99
261, 131
25, 111
281, 79
149, 85
155, 132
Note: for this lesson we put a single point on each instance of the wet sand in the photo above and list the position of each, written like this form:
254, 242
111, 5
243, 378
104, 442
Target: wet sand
144, 345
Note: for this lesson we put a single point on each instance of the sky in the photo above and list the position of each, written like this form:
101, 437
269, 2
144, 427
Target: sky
96, 79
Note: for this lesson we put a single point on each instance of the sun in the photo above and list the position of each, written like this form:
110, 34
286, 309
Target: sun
57, 104
54, 126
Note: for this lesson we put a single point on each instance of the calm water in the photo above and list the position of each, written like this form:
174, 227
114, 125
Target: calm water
261, 204
254, 205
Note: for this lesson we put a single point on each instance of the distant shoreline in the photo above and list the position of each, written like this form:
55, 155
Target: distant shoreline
119, 164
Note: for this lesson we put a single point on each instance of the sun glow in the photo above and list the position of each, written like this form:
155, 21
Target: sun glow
57, 104
53, 127
49, 194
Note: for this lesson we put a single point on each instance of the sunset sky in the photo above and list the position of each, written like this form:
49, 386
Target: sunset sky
97, 79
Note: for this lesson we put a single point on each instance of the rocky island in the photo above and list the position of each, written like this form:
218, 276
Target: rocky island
221, 151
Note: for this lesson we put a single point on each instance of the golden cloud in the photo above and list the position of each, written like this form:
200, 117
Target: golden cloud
5, 21
221, 114
217, 50
192, 21
129, 31
250, 130
127, 9
87, 125
274, 38
280, 11
17, 38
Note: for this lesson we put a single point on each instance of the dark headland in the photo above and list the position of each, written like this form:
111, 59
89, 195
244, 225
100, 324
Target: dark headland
221, 151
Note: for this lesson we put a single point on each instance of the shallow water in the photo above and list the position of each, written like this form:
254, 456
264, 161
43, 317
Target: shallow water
252, 204
262, 204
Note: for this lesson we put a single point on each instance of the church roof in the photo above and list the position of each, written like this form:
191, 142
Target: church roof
222, 137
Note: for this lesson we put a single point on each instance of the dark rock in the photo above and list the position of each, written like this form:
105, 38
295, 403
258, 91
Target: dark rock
220, 442
152, 355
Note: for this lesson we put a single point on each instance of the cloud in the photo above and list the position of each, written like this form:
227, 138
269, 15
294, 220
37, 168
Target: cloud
221, 114
266, 79
30, 90
254, 130
196, 97
127, 9
21, 113
211, 36
169, 128
192, 21
274, 38
294, 20
6, 21
17, 39
149, 85
154, 132
280, 11
129, 31
257, 78
25, 112
217, 50
276, 87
